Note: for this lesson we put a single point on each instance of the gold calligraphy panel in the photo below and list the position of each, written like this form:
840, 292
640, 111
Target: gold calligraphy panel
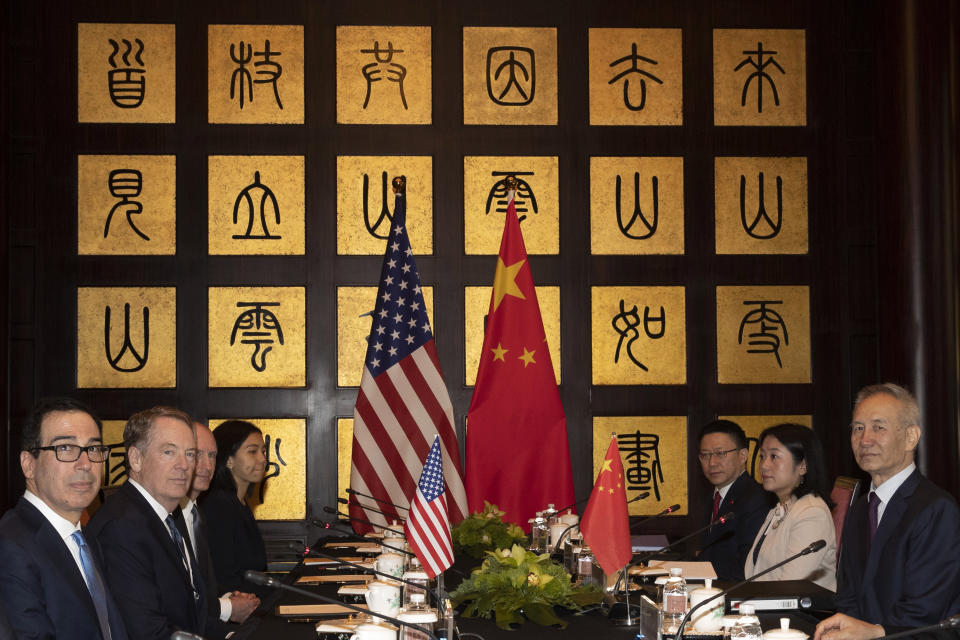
653, 450
354, 320
476, 304
282, 494
365, 202
255, 74
639, 335
257, 337
753, 426
636, 206
383, 75
126, 205
126, 72
115, 466
126, 337
256, 205
761, 205
759, 77
763, 335
636, 76
485, 202
344, 455
509, 75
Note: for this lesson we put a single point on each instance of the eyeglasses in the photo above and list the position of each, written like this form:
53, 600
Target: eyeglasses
719, 455
71, 452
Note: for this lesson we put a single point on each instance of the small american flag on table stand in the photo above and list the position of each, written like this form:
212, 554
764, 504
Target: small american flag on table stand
427, 527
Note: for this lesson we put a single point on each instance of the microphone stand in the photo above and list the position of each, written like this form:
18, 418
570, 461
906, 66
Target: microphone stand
389, 515
331, 511
811, 548
556, 545
367, 495
665, 512
949, 623
256, 577
326, 525
307, 551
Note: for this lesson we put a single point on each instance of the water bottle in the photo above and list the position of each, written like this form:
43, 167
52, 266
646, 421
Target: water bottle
747, 626
585, 567
539, 534
674, 604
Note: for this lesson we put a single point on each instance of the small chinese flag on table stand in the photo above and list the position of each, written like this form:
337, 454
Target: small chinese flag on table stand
605, 524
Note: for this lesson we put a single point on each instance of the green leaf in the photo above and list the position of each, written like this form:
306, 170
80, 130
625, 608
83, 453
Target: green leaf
543, 615
507, 616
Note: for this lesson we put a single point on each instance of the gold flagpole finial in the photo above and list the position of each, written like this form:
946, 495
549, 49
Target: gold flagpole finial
400, 185
511, 182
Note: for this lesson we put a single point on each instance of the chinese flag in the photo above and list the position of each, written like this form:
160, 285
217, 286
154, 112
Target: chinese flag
516, 454
605, 524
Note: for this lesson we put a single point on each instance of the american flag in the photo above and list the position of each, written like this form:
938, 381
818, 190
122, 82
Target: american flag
403, 400
427, 527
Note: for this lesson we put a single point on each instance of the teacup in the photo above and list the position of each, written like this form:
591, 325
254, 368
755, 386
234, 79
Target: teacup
371, 631
383, 598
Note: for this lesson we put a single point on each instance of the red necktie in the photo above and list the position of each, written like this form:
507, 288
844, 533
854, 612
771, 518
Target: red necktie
716, 506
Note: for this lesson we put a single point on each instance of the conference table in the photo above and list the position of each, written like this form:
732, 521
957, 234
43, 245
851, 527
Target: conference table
265, 624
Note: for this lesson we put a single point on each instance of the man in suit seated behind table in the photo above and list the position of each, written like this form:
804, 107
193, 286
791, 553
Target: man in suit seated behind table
236, 606
149, 567
51, 574
899, 565
723, 457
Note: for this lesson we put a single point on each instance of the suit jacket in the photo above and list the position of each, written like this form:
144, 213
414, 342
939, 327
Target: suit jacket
41, 586
235, 541
807, 520
144, 569
727, 545
910, 575
214, 627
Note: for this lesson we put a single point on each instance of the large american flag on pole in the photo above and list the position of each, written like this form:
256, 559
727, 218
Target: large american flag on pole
427, 527
403, 401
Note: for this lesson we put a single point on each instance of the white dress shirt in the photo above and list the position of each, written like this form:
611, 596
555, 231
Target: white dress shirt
886, 490
188, 505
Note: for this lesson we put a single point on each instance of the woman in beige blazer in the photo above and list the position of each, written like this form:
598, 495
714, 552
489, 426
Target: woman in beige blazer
792, 467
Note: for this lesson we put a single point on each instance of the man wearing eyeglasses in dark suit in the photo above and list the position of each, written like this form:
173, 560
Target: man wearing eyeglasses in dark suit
51, 576
723, 458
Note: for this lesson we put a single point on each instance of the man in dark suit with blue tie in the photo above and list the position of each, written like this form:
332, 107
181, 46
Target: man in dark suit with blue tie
51, 574
723, 458
899, 565
149, 567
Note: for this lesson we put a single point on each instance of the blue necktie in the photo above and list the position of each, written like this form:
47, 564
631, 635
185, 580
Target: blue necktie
178, 540
94, 584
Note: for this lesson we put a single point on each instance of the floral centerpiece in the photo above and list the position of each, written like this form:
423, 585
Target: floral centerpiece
484, 531
513, 583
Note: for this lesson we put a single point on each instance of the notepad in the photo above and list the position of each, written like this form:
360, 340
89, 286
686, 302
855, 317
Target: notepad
339, 577
314, 609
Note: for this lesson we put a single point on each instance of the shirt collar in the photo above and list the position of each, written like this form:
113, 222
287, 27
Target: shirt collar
723, 490
886, 490
161, 512
63, 527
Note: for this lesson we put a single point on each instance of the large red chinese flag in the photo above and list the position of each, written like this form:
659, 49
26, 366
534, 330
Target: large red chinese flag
605, 524
516, 455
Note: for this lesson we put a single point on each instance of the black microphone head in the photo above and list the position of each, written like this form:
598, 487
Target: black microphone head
343, 501
815, 546
330, 509
727, 517
262, 579
349, 490
673, 507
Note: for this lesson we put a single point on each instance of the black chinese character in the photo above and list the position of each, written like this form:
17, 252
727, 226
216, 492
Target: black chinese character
769, 321
633, 58
140, 360
116, 464
257, 195
373, 229
126, 82
265, 66
770, 227
383, 67
644, 471
125, 184
273, 468
760, 75
626, 322
511, 60
261, 328
649, 227
499, 192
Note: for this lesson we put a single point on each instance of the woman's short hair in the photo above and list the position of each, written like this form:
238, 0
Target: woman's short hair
230, 435
804, 446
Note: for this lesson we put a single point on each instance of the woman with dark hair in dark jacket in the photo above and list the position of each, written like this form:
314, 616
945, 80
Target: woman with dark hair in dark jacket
235, 541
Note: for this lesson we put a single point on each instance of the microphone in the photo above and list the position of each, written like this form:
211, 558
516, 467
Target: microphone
367, 495
639, 496
813, 547
950, 623
667, 511
262, 579
389, 515
326, 525
331, 510
307, 551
